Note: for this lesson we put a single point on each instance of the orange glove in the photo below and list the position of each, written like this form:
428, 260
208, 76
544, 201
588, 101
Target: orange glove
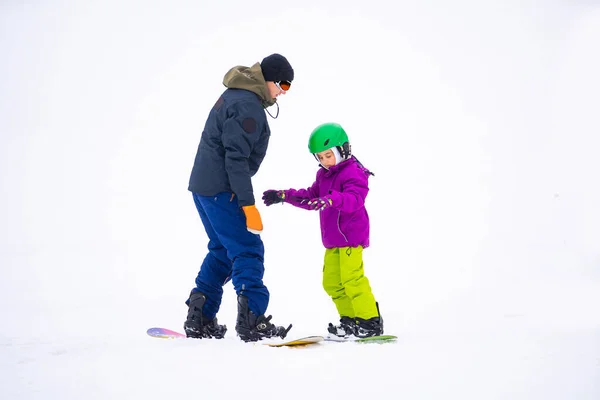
253, 221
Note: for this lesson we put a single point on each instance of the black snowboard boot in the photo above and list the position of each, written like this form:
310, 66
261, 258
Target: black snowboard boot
197, 325
347, 327
251, 328
369, 327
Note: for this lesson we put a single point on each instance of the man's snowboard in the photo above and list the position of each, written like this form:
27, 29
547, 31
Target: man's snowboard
371, 339
305, 341
163, 333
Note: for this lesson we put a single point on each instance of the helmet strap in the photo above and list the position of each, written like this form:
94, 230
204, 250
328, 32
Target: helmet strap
345, 151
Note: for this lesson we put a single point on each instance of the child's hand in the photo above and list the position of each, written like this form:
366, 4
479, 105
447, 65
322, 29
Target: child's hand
320, 203
271, 197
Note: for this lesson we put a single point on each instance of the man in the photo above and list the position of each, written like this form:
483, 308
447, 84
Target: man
233, 145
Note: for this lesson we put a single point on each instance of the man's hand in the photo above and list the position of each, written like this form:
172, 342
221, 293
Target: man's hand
253, 220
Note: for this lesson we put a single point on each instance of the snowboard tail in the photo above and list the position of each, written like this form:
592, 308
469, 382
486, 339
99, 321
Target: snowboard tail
163, 333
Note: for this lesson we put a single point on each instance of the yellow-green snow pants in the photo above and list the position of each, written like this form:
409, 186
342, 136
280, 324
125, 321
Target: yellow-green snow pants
344, 280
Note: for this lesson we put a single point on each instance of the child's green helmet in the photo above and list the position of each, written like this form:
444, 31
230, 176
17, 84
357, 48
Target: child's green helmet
328, 135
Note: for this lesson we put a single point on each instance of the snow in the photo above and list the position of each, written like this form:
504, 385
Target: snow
479, 120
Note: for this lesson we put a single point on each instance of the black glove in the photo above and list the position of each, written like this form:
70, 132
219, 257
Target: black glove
273, 196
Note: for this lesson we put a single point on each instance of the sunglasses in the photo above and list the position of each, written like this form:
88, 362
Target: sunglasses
283, 85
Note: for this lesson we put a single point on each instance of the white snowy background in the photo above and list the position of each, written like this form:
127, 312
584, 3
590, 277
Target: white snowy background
480, 120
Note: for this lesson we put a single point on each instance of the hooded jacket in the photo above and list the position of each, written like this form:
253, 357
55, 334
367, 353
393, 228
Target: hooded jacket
235, 137
346, 222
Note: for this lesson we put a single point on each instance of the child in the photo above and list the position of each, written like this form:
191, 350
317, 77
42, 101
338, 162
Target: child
339, 194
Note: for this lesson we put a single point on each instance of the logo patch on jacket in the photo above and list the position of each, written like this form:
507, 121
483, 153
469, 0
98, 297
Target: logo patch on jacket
249, 125
219, 103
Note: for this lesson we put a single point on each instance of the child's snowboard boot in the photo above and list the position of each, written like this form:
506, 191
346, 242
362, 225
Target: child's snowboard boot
346, 327
251, 328
369, 327
197, 325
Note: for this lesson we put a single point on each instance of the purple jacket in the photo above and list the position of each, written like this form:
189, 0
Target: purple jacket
346, 222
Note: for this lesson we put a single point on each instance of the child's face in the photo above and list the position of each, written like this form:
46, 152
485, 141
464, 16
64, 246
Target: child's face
326, 158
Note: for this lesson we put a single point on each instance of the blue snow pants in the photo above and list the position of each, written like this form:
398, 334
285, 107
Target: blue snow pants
233, 253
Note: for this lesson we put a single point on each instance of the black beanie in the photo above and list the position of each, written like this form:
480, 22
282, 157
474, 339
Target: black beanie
276, 68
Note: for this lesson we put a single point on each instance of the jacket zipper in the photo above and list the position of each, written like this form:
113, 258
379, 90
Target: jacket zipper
339, 212
339, 228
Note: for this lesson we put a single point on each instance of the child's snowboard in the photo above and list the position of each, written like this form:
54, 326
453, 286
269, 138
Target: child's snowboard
371, 339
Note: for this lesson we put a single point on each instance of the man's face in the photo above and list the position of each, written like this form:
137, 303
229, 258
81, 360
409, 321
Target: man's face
326, 158
274, 90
